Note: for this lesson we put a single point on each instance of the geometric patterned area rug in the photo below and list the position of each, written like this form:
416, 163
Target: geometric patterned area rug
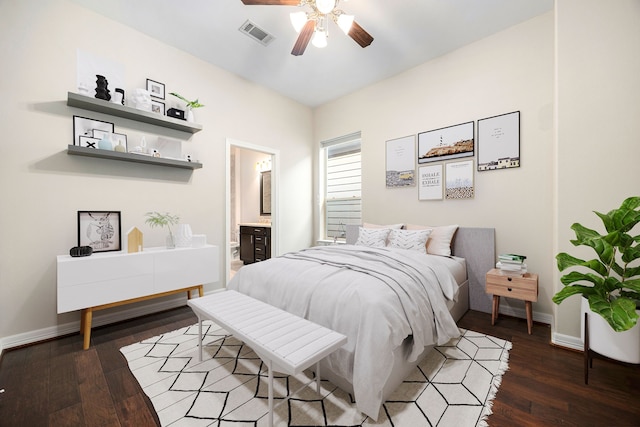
452, 387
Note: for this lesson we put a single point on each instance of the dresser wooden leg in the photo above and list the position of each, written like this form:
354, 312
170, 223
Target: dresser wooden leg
495, 309
87, 315
529, 316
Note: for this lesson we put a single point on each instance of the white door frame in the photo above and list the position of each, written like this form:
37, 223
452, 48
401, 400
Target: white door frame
275, 179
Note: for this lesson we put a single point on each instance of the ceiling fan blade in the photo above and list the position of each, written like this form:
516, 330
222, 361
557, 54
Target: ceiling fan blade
360, 36
304, 38
272, 2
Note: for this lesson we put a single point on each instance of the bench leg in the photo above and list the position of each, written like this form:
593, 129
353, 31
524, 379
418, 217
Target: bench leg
270, 393
199, 339
318, 377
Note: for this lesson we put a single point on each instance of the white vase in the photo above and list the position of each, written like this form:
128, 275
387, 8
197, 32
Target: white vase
190, 115
622, 346
184, 236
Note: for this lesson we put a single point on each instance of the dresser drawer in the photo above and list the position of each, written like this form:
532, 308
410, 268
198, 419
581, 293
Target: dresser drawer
523, 288
256, 231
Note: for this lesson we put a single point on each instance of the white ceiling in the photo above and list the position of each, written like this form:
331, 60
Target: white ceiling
406, 33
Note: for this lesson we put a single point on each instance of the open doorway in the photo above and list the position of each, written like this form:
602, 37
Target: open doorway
251, 196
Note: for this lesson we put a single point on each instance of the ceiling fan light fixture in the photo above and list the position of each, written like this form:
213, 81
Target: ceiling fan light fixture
319, 39
298, 19
344, 22
325, 6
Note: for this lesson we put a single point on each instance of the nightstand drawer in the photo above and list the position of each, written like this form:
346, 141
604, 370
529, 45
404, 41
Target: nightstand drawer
523, 288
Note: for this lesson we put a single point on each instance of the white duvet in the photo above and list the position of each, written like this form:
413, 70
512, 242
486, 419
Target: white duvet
377, 297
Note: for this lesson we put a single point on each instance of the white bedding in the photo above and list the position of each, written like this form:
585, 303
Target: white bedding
376, 296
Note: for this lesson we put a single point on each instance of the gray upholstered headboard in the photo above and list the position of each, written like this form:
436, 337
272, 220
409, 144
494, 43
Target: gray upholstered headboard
478, 246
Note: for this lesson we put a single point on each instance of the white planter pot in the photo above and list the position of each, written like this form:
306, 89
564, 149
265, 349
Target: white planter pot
622, 346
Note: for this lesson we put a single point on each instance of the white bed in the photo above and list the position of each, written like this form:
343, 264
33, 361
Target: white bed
378, 297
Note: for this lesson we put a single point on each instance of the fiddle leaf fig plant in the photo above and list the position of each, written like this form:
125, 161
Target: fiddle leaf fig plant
613, 284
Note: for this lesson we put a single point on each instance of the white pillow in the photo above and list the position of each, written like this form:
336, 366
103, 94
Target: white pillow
415, 240
391, 226
439, 242
373, 237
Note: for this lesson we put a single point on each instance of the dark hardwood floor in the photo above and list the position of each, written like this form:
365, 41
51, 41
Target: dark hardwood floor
56, 383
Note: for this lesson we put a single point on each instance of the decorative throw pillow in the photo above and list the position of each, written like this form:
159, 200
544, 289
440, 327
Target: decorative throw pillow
373, 237
415, 240
391, 226
439, 242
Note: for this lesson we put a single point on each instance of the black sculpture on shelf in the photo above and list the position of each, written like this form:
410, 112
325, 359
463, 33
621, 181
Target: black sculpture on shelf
101, 88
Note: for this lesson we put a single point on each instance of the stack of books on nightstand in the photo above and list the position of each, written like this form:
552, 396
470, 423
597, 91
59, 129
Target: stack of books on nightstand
511, 264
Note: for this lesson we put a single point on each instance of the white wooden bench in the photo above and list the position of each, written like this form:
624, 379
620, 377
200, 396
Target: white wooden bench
285, 342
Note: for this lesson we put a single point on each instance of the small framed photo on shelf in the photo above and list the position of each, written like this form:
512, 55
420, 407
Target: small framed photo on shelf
157, 107
89, 142
119, 139
156, 89
83, 126
99, 134
100, 230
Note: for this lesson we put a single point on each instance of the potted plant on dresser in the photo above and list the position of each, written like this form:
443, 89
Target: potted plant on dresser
157, 219
609, 284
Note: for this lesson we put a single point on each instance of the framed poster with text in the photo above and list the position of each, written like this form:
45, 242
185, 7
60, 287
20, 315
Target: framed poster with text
430, 179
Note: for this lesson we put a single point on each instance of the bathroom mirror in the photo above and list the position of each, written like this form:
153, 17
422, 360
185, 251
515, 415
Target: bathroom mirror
265, 193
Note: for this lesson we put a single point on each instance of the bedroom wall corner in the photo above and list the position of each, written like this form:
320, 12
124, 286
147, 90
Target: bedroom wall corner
42, 187
597, 123
507, 71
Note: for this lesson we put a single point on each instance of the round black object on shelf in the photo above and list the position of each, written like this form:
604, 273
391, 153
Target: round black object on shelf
80, 251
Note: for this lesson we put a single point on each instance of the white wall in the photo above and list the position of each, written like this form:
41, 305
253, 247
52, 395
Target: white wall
509, 71
598, 122
42, 187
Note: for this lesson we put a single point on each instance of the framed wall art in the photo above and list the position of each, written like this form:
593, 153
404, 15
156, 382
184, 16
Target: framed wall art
157, 107
499, 142
430, 182
100, 230
447, 143
156, 89
89, 142
401, 162
83, 126
459, 180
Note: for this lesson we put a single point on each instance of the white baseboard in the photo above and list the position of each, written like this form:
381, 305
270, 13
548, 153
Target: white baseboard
99, 319
522, 314
568, 341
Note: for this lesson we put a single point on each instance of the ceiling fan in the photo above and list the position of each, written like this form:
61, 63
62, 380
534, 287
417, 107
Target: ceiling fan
313, 24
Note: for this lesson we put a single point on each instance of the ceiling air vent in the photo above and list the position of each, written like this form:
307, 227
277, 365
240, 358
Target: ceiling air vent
256, 33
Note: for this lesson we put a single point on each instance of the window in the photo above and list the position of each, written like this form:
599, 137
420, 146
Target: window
342, 194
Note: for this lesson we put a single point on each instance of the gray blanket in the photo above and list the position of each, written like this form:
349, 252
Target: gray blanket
378, 297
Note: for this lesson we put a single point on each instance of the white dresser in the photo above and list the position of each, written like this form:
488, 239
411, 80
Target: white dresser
109, 279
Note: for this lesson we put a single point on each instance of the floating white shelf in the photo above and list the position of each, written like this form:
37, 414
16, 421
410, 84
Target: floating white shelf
129, 157
106, 107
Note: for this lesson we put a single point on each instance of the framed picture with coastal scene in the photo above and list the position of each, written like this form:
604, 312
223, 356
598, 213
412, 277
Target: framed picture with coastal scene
499, 142
451, 142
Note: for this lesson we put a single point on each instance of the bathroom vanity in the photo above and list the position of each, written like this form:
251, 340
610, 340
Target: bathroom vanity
255, 242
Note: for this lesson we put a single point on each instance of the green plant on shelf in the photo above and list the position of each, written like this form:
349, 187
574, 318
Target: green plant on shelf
190, 104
